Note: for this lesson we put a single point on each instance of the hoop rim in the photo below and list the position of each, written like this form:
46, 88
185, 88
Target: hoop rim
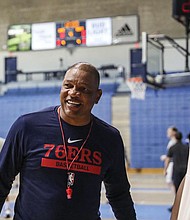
135, 79
137, 87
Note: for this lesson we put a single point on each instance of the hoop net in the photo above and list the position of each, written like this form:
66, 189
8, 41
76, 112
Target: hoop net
137, 87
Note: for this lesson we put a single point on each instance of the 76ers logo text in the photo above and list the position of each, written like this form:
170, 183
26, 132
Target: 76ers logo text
87, 161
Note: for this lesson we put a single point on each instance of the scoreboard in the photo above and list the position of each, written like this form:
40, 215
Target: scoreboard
76, 33
71, 33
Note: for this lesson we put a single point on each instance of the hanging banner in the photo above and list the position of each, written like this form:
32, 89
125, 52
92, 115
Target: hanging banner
98, 32
44, 36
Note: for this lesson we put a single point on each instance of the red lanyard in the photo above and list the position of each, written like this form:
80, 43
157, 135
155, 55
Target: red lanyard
70, 180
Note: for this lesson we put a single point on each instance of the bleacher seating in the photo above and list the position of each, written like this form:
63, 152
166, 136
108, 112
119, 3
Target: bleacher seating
150, 119
18, 101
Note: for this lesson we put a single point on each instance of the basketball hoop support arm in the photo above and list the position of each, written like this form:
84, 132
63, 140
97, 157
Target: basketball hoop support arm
187, 45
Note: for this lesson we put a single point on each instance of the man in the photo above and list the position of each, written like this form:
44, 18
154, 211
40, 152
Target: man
179, 152
181, 209
2, 140
171, 131
181, 203
7, 213
63, 154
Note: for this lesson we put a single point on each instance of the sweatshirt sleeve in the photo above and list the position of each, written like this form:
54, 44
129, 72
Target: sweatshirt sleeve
10, 159
118, 187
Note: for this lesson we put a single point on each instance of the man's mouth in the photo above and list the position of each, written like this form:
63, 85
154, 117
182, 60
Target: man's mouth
73, 103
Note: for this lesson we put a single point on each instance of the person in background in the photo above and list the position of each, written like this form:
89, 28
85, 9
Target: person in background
7, 213
171, 131
2, 140
179, 153
187, 140
63, 154
181, 209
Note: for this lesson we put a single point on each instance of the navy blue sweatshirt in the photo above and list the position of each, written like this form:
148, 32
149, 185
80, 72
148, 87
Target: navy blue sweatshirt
34, 148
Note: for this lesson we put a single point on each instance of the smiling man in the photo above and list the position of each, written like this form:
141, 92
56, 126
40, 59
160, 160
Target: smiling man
63, 154
79, 92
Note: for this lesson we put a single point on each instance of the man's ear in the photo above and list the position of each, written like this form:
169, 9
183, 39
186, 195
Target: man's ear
99, 94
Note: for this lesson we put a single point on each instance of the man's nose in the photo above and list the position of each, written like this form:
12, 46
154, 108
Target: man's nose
74, 91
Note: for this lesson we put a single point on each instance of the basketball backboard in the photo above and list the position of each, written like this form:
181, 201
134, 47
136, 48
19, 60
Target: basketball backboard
153, 48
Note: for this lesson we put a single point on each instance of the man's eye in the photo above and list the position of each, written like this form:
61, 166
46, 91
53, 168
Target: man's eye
85, 90
67, 85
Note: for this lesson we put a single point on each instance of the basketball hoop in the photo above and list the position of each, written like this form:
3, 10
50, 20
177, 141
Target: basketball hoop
137, 87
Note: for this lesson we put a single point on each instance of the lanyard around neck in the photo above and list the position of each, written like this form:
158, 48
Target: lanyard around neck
64, 142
